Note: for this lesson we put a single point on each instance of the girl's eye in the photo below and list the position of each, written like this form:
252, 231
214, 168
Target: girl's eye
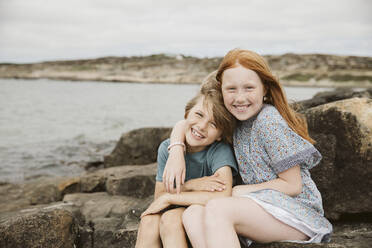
199, 114
213, 125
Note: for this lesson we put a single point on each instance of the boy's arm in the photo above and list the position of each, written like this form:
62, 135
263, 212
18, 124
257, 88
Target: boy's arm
175, 168
195, 197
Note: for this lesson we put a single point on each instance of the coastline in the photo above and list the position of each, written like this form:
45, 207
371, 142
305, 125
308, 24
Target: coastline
303, 70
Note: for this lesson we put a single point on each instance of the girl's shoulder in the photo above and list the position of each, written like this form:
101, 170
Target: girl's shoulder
269, 115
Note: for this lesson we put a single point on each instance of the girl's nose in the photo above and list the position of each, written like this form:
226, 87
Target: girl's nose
239, 97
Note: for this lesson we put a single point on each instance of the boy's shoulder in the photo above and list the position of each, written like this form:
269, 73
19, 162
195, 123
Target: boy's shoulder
218, 146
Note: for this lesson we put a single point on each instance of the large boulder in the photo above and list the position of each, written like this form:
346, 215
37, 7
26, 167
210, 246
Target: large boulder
137, 147
50, 226
343, 130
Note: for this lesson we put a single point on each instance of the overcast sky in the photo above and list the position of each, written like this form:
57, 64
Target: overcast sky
40, 30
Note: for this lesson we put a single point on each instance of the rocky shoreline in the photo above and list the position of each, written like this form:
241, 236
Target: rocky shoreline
313, 70
101, 208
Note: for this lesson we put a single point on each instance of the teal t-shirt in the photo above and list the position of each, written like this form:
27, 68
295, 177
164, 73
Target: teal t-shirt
200, 164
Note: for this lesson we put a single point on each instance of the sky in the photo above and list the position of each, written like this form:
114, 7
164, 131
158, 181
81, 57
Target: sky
44, 30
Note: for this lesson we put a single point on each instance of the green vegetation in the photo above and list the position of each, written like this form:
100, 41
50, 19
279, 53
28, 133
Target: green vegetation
299, 77
348, 77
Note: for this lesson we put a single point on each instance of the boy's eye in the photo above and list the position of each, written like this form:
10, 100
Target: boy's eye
199, 114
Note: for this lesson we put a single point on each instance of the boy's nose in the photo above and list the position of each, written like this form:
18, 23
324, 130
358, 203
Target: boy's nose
203, 124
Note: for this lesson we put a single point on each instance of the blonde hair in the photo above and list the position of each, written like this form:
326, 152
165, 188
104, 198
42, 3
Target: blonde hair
274, 91
224, 120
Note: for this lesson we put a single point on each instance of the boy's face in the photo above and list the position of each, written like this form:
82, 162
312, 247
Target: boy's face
201, 129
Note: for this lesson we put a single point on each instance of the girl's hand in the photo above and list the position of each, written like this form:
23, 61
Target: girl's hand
175, 170
210, 183
157, 205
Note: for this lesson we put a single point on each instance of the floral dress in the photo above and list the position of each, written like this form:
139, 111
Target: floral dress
264, 147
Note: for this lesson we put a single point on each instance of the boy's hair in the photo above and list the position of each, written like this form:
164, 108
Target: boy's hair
275, 94
224, 120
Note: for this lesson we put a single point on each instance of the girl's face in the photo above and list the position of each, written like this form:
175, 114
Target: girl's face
201, 129
243, 92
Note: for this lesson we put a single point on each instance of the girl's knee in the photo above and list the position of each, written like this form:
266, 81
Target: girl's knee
215, 207
191, 215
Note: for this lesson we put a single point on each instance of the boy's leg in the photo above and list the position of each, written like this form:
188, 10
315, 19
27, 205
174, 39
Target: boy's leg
193, 221
148, 232
172, 232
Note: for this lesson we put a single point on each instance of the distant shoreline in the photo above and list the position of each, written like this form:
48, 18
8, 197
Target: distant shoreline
323, 84
309, 70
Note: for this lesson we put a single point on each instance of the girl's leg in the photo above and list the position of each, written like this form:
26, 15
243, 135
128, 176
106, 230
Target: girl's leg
172, 233
225, 217
192, 220
148, 232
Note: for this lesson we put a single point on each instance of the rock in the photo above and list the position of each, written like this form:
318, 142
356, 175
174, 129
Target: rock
343, 130
133, 181
40, 227
137, 147
109, 206
346, 235
331, 96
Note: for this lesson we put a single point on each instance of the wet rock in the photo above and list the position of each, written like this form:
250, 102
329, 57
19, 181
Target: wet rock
137, 147
343, 130
39, 227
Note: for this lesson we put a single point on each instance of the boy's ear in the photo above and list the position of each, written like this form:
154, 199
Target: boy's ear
219, 138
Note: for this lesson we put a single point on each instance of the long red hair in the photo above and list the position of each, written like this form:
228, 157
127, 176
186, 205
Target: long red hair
274, 91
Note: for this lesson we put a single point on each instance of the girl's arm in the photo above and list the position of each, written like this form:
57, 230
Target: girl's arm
194, 197
175, 168
288, 182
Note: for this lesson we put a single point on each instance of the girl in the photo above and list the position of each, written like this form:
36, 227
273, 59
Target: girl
278, 201
210, 165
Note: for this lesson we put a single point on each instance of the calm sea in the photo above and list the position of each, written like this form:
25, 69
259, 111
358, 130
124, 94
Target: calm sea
50, 127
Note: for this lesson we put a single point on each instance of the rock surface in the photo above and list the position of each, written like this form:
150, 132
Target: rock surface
139, 146
102, 208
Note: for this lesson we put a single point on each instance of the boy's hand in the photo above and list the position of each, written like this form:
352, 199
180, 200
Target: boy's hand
157, 205
175, 169
210, 183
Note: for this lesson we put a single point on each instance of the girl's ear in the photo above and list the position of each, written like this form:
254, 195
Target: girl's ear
219, 138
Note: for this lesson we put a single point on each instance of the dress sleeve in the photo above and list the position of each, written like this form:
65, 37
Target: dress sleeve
162, 159
284, 147
221, 155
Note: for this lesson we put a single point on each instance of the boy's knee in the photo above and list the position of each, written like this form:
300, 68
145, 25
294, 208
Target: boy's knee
150, 222
170, 220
